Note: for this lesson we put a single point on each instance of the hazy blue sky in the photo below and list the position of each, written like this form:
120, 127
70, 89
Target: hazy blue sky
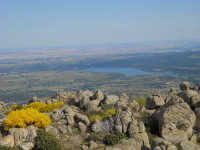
34, 23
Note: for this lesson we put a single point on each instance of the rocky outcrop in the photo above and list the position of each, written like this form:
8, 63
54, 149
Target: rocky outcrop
19, 134
185, 86
175, 120
111, 99
154, 101
7, 141
161, 144
195, 101
129, 144
137, 131
82, 118
187, 145
187, 95
2, 106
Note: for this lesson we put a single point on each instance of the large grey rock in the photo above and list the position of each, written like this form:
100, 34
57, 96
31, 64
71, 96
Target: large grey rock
7, 141
93, 145
187, 94
69, 115
185, 86
124, 97
93, 105
56, 115
62, 122
161, 144
195, 101
52, 130
197, 123
111, 99
81, 94
32, 133
62, 128
82, 118
19, 134
172, 101
98, 95
129, 144
137, 131
114, 123
187, 145
105, 126
175, 122
82, 127
27, 146
2, 106
83, 102
154, 101
2, 117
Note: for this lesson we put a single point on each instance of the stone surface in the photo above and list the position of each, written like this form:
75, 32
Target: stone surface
56, 115
111, 99
137, 131
19, 134
82, 118
154, 101
197, 113
185, 86
129, 144
187, 145
92, 145
98, 95
2, 106
176, 122
161, 144
62, 128
195, 101
52, 130
27, 146
82, 127
187, 94
32, 133
7, 141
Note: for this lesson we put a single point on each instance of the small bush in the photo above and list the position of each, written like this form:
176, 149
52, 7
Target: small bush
8, 148
141, 100
92, 119
102, 115
46, 141
93, 137
22, 118
112, 139
44, 107
108, 113
106, 107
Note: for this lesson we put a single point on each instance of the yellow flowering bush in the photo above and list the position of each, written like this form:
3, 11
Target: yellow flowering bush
108, 113
44, 107
102, 116
22, 118
92, 119
14, 106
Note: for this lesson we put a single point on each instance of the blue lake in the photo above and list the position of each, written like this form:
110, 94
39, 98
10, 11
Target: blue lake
126, 71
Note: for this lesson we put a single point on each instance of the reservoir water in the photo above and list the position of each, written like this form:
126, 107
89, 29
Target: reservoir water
126, 71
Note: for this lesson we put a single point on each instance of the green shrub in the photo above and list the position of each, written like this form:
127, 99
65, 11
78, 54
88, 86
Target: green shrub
106, 107
47, 141
93, 137
8, 148
102, 115
112, 139
140, 99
